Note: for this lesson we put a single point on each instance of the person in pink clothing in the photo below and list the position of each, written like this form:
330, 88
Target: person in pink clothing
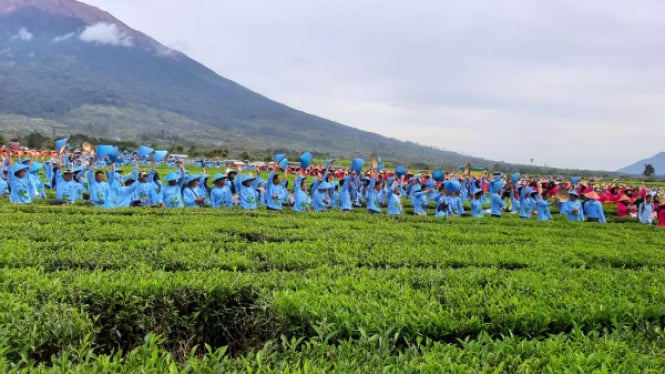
660, 214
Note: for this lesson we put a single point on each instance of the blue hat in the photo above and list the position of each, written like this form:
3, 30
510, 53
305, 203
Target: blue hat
284, 163
144, 151
305, 160
61, 144
18, 167
323, 186
107, 150
416, 188
574, 193
191, 178
365, 178
159, 155
380, 167
328, 163
495, 187
475, 190
26, 160
515, 177
437, 175
218, 176
171, 176
279, 157
357, 165
36, 166
246, 178
453, 186
334, 184
400, 171
574, 180
430, 184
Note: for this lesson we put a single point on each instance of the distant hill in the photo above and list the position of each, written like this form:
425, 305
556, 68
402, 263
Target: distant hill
657, 161
69, 67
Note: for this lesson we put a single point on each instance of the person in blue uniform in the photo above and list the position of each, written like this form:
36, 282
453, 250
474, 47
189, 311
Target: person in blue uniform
145, 193
247, 192
572, 208
36, 180
454, 188
394, 197
4, 186
594, 209
220, 195
345, 194
19, 184
527, 203
373, 197
442, 202
320, 199
172, 192
302, 201
543, 212
476, 202
497, 205
99, 187
276, 193
190, 192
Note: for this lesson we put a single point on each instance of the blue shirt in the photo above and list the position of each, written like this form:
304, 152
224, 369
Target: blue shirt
172, 196
69, 191
497, 204
221, 197
345, 194
568, 209
543, 209
394, 203
248, 197
276, 194
98, 190
594, 210
477, 208
21, 189
373, 199
455, 203
527, 205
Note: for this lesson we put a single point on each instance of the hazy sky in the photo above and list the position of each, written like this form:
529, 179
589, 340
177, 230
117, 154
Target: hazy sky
569, 83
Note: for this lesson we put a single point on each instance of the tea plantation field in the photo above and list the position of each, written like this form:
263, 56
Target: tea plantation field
152, 290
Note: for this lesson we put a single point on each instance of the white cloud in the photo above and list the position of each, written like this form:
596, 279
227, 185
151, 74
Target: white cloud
106, 34
23, 34
62, 38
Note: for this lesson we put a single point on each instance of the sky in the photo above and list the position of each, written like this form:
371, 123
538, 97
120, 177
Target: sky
567, 83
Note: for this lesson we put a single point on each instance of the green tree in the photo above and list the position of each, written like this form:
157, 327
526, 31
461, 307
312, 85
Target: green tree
648, 170
35, 140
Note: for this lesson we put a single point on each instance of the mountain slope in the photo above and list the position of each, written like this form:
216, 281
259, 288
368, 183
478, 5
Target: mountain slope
80, 69
657, 161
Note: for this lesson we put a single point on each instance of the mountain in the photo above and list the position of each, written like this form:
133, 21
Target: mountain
69, 67
657, 161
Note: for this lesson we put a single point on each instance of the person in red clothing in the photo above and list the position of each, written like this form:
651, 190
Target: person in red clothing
622, 206
661, 214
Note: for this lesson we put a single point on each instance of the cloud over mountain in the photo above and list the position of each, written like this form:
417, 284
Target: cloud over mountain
106, 34
23, 34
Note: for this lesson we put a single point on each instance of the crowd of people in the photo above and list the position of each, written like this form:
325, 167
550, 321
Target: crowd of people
82, 178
